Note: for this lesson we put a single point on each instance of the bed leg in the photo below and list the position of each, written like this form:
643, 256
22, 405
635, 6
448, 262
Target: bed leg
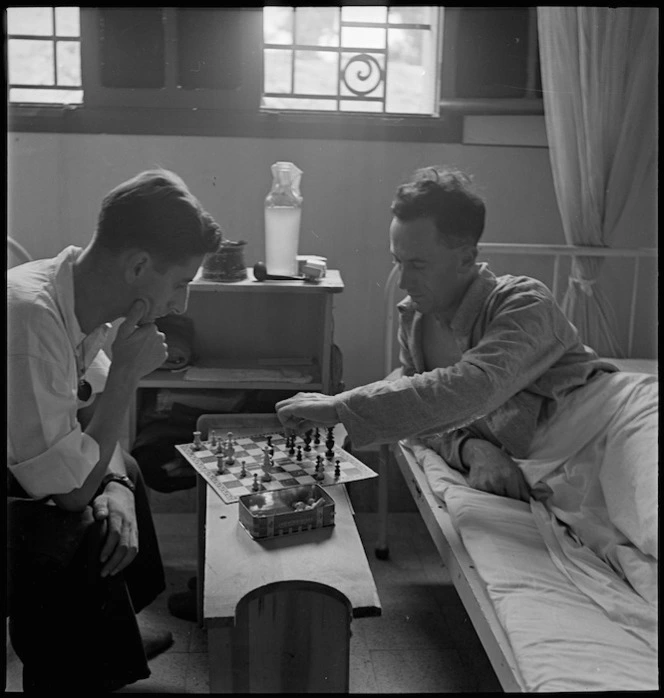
382, 549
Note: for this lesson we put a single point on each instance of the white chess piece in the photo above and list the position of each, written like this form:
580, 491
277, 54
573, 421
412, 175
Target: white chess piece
230, 450
267, 465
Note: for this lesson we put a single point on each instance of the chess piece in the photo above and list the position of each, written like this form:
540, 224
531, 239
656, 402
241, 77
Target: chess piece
269, 441
317, 436
267, 465
198, 444
220, 447
220, 465
243, 471
256, 485
329, 442
299, 453
291, 445
230, 450
307, 440
319, 474
337, 470
213, 442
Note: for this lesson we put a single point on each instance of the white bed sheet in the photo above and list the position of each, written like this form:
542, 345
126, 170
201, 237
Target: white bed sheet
572, 619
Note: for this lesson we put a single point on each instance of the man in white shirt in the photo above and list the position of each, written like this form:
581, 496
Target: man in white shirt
84, 554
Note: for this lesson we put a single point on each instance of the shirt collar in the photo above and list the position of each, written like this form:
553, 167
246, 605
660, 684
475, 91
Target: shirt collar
63, 282
471, 304
473, 300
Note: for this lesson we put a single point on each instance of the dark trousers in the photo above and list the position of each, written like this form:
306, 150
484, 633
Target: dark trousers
71, 628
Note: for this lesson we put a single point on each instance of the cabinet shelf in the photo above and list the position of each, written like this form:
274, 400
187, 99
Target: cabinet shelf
271, 324
169, 379
330, 283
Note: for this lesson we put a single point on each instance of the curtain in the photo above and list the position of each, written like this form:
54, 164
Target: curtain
599, 78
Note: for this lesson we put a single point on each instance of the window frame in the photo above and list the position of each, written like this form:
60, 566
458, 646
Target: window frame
97, 115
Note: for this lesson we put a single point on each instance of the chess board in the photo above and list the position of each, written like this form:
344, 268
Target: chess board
287, 470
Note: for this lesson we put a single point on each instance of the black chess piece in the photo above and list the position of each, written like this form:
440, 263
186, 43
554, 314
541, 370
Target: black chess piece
337, 469
299, 453
307, 440
317, 436
329, 442
319, 473
269, 441
291, 444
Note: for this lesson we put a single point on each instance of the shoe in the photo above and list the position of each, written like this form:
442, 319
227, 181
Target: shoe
156, 642
183, 605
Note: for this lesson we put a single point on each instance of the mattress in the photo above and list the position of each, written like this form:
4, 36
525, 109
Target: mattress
573, 619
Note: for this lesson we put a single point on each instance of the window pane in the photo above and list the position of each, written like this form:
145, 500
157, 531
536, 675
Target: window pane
278, 25
411, 77
67, 21
362, 37
317, 26
407, 91
307, 104
46, 96
345, 105
30, 20
316, 72
377, 69
30, 62
363, 74
363, 14
411, 15
69, 62
277, 70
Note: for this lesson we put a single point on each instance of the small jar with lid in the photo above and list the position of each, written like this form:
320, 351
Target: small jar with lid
227, 263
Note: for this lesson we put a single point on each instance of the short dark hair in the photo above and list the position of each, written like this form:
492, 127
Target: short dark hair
448, 197
156, 212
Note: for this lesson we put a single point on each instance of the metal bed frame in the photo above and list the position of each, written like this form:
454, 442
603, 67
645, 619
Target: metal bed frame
467, 582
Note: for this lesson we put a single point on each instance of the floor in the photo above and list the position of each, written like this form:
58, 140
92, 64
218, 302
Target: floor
422, 643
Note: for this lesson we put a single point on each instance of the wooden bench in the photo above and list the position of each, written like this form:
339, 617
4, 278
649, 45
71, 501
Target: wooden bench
278, 611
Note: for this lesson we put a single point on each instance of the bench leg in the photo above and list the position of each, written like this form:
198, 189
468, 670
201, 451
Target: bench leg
382, 548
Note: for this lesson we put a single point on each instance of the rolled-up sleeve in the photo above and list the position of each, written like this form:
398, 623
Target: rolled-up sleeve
47, 451
525, 337
60, 469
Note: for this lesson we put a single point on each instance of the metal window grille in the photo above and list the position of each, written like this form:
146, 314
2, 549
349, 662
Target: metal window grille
362, 72
44, 60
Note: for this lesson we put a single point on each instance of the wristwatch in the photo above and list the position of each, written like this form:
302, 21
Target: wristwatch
116, 477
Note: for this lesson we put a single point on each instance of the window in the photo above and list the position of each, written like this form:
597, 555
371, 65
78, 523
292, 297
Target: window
358, 72
44, 55
352, 59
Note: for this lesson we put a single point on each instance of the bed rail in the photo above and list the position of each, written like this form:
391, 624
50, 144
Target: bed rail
558, 252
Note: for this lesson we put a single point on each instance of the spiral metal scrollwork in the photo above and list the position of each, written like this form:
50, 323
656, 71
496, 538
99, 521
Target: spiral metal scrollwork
369, 69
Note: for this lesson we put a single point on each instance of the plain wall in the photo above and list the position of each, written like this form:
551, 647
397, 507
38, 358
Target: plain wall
56, 183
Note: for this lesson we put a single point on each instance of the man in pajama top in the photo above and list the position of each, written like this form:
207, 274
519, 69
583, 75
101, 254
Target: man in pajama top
484, 359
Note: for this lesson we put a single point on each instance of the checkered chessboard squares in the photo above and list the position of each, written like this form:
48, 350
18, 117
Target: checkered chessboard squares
286, 472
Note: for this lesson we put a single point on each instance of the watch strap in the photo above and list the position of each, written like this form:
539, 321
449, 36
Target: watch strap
116, 477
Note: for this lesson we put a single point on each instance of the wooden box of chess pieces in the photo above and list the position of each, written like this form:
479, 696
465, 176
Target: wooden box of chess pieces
282, 512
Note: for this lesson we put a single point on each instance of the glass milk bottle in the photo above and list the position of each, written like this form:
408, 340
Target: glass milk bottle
283, 209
